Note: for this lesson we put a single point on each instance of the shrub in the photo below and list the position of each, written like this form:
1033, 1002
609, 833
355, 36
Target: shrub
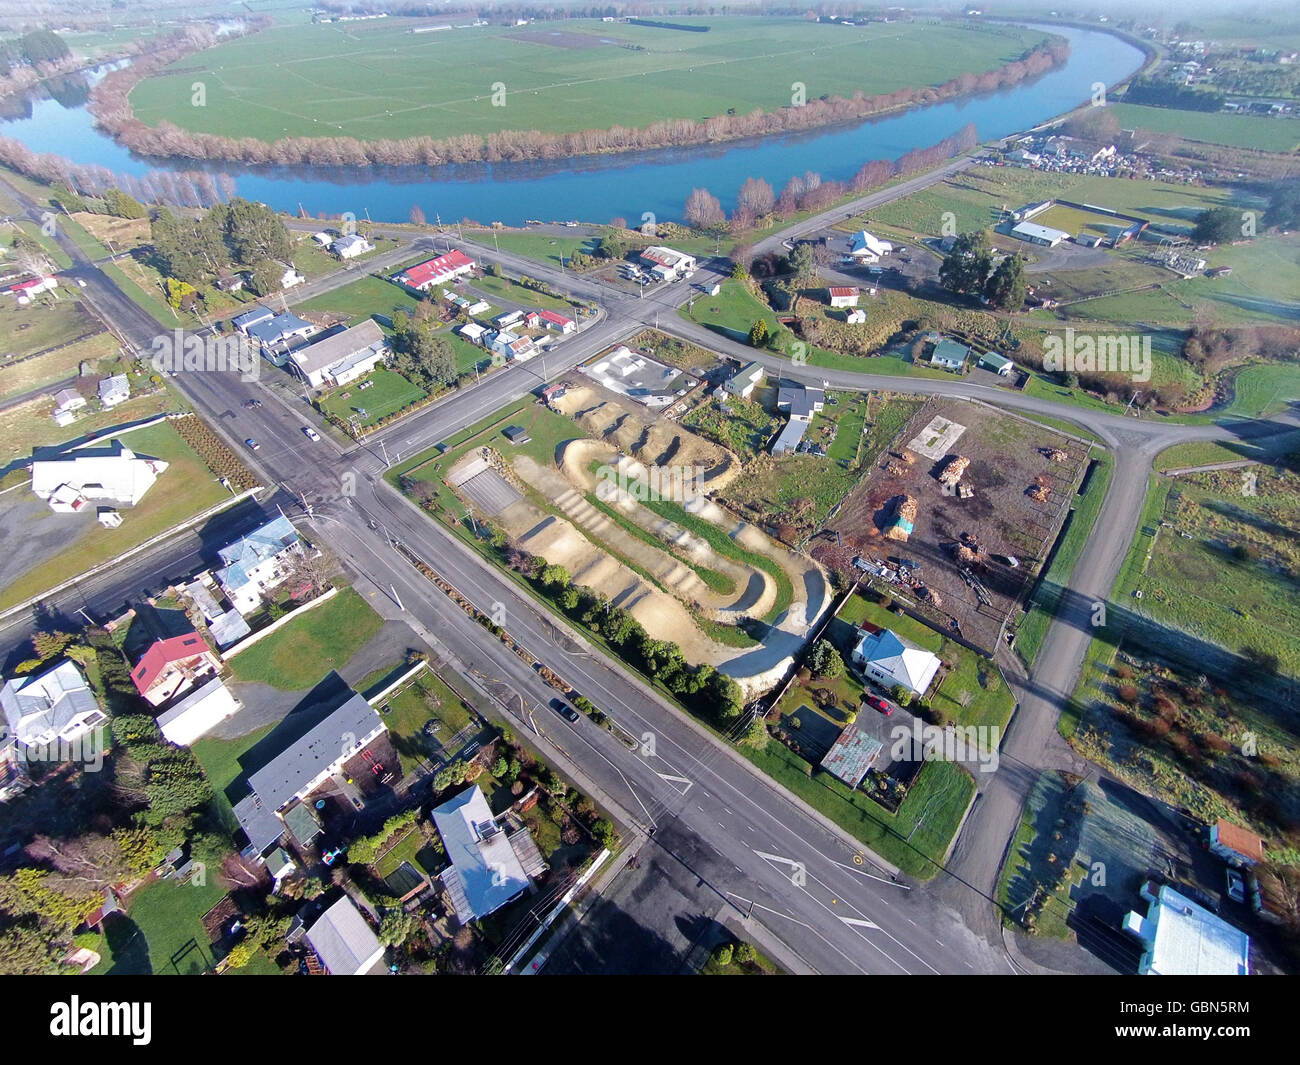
724, 954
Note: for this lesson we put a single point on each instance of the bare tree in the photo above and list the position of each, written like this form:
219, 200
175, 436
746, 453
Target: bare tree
703, 210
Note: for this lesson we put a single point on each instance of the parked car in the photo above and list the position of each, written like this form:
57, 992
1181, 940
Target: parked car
565, 711
310, 433
877, 703
252, 444
1236, 886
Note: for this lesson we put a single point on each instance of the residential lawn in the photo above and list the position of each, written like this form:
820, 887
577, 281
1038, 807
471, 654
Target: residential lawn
28, 424
744, 428
19, 378
942, 792
733, 312
1267, 133
391, 393
168, 915
1026, 868
295, 657
974, 680
425, 699
511, 292
186, 488
1042, 604
366, 297
221, 762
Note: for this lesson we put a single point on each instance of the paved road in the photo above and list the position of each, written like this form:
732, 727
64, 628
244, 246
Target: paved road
747, 837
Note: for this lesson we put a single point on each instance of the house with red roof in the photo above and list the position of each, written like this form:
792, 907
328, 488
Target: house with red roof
437, 271
172, 666
23, 291
843, 296
557, 322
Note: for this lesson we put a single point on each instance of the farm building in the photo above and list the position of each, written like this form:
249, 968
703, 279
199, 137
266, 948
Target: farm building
856, 317
667, 264
892, 662
436, 271
1045, 236
1182, 938
843, 296
342, 357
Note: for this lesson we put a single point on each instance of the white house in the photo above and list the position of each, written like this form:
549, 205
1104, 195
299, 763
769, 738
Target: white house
56, 706
556, 322
278, 334
344, 943
66, 401
668, 264
513, 347
485, 871
743, 382
473, 332
258, 562
351, 246
342, 357
1038, 234
890, 661
1182, 938
843, 296
114, 390
289, 276
867, 248
197, 713
110, 472
23, 291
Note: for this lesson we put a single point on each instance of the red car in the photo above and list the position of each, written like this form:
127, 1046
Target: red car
877, 703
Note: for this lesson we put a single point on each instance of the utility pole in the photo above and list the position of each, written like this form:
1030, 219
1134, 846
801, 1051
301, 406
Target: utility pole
384, 449
396, 598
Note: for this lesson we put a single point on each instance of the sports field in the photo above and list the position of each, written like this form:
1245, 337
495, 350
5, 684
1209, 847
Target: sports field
378, 80
1075, 221
1269, 133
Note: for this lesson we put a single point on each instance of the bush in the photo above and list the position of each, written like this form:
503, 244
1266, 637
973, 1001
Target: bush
724, 955
744, 954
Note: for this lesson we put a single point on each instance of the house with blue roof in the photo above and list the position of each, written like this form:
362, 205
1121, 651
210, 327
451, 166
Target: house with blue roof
280, 334
891, 661
258, 562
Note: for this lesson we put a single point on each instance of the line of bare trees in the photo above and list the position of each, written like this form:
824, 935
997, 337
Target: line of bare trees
110, 105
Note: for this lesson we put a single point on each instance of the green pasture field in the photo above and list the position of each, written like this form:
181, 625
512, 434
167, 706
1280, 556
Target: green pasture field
377, 80
1265, 132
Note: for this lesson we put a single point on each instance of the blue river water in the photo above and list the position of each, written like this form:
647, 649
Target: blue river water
598, 188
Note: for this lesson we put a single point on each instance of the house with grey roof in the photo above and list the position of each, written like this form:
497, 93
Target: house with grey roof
114, 390
341, 357
56, 706
487, 865
344, 943
257, 562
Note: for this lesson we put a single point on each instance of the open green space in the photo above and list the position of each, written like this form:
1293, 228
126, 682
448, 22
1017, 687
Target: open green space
511, 291
167, 915
540, 247
1258, 391
322, 639
186, 488
380, 80
390, 393
51, 320
1269, 133
366, 297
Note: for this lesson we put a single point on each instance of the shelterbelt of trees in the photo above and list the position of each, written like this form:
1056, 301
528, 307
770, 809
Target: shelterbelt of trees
111, 107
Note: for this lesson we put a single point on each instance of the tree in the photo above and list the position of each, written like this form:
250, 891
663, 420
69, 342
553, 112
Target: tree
756, 735
723, 955
120, 205
253, 231
758, 333
757, 196
500, 767
417, 215
967, 266
612, 246
739, 272
1284, 205
703, 210
744, 954
1218, 225
419, 355
825, 660
605, 834
267, 277
43, 46
241, 954
803, 264
1007, 286
397, 927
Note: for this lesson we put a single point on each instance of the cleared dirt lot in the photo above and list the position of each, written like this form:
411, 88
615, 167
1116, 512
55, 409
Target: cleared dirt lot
1009, 459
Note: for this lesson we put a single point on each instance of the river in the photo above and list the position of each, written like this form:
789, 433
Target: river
598, 188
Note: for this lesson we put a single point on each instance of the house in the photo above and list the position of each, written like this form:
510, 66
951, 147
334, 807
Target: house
195, 714
324, 238
172, 666
557, 323
509, 318
1042, 235
289, 277
485, 871
258, 562
473, 332
866, 248
341, 357
67, 400
114, 390
279, 333
799, 401
743, 382
437, 271
949, 355
344, 943
301, 768
667, 264
1182, 938
111, 472
229, 283
1235, 845
532, 320
243, 322
999, 364
851, 755
892, 662
843, 296
23, 291
56, 706
351, 246
512, 347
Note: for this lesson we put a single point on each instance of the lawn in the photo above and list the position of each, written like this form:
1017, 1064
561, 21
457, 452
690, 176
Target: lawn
396, 84
167, 913
509, 291
1261, 390
52, 320
391, 393
186, 488
366, 297
1264, 132
323, 639
27, 425
540, 247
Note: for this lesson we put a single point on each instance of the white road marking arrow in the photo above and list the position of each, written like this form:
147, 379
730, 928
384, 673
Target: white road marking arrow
676, 780
859, 923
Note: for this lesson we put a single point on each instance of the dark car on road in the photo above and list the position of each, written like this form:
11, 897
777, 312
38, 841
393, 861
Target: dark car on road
565, 711
252, 444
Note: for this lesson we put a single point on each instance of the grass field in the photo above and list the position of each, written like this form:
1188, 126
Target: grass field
540, 247
298, 655
1267, 133
391, 392
57, 365
1259, 391
375, 80
363, 298
46, 323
